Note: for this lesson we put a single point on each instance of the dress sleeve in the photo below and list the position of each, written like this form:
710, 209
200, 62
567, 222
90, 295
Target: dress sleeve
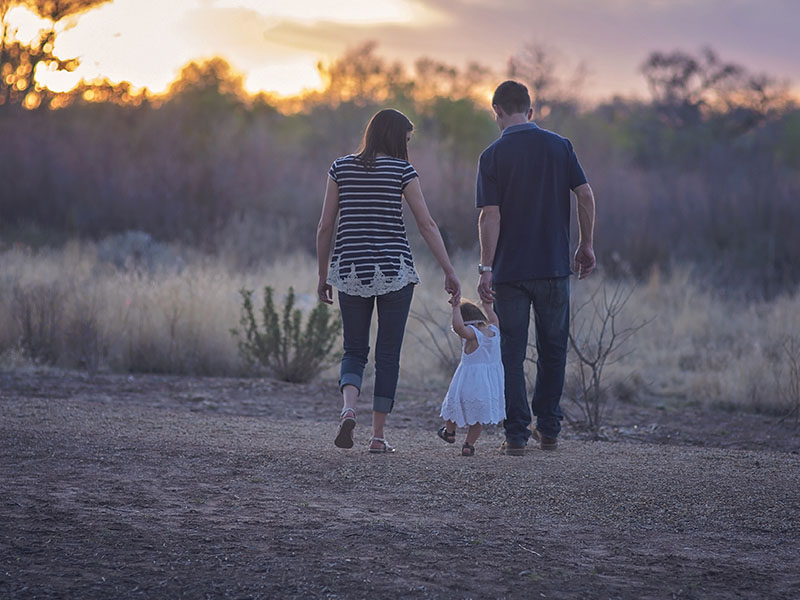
332, 172
409, 173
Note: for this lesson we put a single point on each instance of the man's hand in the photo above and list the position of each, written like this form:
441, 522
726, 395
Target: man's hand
485, 290
584, 260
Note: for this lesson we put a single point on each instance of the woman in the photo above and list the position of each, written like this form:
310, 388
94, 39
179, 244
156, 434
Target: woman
371, 262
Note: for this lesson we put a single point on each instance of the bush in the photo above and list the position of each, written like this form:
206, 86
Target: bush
37, 311
282, 345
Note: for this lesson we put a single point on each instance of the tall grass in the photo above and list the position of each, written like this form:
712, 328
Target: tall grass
85, 311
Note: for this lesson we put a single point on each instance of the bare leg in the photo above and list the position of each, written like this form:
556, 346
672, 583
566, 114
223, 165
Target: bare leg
349, 397
450, 426
347, 420
472, 433
378, 421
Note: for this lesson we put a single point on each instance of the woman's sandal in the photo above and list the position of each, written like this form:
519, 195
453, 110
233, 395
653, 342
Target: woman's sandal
385, 448
467, 450
447, 436
344, 437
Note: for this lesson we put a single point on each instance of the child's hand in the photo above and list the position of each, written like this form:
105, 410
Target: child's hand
453, 301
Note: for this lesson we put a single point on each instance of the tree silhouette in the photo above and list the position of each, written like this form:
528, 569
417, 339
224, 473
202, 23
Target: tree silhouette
19, 62
362, 77
541, 69
691, 90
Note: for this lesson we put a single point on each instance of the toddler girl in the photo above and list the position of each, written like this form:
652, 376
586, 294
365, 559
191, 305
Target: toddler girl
476, 394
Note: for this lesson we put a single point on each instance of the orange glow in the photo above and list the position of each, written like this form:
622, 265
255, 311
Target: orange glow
146, 42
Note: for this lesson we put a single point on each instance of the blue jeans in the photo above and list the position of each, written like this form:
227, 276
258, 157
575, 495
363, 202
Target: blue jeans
356, 319
550, 301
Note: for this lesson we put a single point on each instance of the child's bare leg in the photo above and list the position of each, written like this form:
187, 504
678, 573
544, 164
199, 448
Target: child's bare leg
472, 433
450, 426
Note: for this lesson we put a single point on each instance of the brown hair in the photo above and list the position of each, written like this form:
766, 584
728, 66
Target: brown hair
512, 97
472, 312
385, 134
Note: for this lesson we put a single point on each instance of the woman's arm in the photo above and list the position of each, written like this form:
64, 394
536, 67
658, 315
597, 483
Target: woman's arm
330, 208
430, 233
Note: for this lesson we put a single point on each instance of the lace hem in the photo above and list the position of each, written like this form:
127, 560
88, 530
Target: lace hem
380, 283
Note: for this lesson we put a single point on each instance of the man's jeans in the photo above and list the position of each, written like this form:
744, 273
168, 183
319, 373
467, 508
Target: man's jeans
356, 319
550, 301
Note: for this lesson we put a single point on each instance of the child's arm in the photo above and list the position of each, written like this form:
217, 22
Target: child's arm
458, 322
490, 314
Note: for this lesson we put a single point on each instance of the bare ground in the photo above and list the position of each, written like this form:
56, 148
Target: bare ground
171, 487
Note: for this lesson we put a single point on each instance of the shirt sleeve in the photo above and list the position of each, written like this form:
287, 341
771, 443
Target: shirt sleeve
487, 193
332, 172
576, 175
409, 173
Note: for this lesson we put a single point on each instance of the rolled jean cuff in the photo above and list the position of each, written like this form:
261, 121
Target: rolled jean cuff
350, 379
381, 404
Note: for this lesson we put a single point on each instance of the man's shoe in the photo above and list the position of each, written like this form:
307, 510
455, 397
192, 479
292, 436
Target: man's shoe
545, 443
512, 449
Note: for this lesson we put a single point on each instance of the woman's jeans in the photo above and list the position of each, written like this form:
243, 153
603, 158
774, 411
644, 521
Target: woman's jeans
550, 301
356, 319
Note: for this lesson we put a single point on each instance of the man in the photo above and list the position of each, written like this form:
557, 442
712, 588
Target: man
523, 193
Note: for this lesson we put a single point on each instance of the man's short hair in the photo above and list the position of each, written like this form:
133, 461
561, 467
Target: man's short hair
512, 97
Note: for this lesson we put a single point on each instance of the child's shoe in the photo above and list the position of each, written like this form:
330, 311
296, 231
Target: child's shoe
447, 436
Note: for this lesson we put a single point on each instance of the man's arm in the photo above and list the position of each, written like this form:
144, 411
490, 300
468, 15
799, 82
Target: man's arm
488, 234
584, 255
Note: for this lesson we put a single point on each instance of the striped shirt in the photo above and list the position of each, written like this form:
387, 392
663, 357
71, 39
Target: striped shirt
371, 255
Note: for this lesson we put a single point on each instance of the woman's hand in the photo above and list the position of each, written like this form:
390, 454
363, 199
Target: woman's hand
452, 286
324, 291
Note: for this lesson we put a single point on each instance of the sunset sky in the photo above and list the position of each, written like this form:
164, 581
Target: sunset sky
276, 44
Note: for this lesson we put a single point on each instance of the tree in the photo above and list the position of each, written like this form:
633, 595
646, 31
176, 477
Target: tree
20, 62
689, 90
434, 79
362, 77
538, 66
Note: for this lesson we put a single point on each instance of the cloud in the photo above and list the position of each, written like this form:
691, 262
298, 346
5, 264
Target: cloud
240, 34
146, 41
612, 37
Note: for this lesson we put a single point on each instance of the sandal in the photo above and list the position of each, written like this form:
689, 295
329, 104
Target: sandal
447, 436
384, 449
467, 450
344, 437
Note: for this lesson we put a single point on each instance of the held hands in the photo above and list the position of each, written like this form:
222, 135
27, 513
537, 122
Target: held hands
453, 287
324, 291
584, 260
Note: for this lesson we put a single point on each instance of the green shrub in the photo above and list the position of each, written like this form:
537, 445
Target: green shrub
282, 345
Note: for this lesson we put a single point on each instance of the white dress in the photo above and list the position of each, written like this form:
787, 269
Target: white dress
477, 392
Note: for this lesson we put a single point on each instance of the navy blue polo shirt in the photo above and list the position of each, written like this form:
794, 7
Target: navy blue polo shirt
528, 172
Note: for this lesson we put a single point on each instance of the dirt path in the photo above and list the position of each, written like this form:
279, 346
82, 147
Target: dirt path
204, 488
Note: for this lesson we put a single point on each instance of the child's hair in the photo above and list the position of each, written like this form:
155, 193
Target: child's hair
472, 314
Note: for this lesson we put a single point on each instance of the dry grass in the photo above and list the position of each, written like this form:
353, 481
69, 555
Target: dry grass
699, 348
